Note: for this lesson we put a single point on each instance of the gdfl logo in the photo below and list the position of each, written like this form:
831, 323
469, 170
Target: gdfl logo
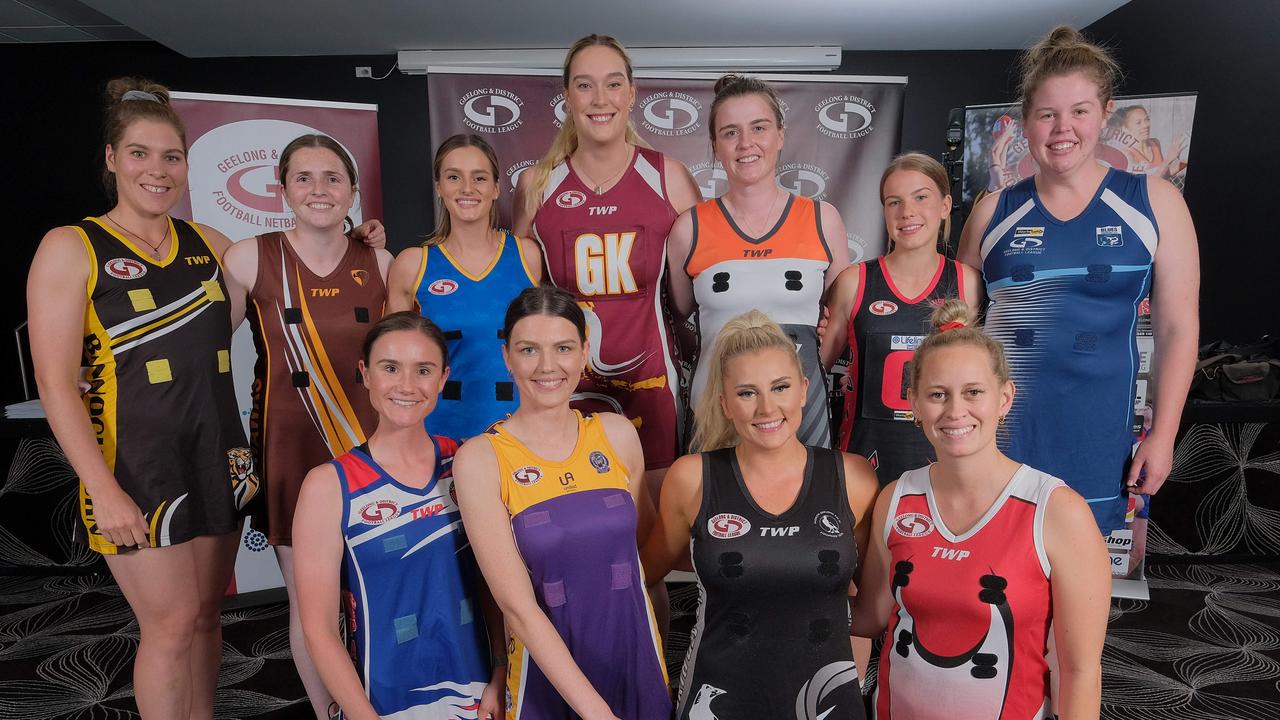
672, 114
844, 117
491, 110
913, 525
883, 307
804, 179
726, 526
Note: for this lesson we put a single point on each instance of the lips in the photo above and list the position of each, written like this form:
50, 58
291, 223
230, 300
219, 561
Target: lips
601, 118
320, 206
747, 159
908, 229
549, 383
156, 189
958, 432
769, 425
1063, 145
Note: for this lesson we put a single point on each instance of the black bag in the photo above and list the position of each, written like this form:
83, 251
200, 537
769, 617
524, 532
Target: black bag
1237, 373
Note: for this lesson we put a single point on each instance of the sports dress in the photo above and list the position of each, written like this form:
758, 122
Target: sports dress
969, 629
309, 403
157, 345
575, 526
415, 628
772, 635
884, 329
1064, 302
609, 252
781, 274
470, 309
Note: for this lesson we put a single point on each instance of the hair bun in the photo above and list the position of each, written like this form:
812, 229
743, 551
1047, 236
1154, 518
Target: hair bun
727, 81
117, 88
951, 314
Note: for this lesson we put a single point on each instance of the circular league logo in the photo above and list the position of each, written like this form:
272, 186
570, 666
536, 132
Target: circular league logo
491, 110
844, 117
670, 114
726, 526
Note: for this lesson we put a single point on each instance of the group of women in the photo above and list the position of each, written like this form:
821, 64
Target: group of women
513, 574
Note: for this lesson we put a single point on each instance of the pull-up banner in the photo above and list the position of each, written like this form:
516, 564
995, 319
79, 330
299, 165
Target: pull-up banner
234, 186
841, 131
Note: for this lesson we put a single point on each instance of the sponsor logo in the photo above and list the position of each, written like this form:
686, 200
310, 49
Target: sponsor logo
491, 110
905, 342
1110, 236
602, 210
1024, 243
325, 292
125, 268
1028, 232
378, 512
527, 475
883, 307
779, 531
426, 511
570, 199
815, 692
599, 461
828, 524
198, 260
726, 526
670, 114
949, 553
515, 171
255, 541
443, 286
845, 117
711, 179
804, 179
558, 110
701, 707
913, 525
360, 277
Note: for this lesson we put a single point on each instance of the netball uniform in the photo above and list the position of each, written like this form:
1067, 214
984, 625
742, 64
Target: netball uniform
772, 634
781, 274
575, 526
470, 310
415, 628
1064, 302
970, 624
609, 252
309, 404
884, 329
157, 344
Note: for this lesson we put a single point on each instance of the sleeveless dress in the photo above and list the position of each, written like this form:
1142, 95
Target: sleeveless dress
772, 634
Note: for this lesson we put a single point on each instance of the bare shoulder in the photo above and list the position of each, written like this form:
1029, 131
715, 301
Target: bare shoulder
618, 429
474, 454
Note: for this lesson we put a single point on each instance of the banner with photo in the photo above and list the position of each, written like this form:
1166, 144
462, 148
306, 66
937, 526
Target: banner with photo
1145, 134
234, 186
841, 131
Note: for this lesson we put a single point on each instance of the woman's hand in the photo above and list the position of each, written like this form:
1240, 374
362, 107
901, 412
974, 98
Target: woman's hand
371, 233
491, 700
118, 517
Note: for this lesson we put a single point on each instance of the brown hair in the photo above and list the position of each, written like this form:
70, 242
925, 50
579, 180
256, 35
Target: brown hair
966, 333
461, 140
749, 332
405, 320
566, 140
931, 169
323, 142
546, 299
1062, 52
734, 85
149, 101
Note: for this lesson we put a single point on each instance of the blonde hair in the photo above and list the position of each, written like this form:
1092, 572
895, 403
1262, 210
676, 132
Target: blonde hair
750, 332
931, 169
1062, 52
955, 323
566, 140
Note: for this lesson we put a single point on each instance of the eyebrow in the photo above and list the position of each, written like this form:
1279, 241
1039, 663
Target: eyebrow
140, 146
584, 76
922, 188
460, 171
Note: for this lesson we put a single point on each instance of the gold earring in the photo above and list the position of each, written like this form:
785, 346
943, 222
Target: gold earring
1000, 420
917, 422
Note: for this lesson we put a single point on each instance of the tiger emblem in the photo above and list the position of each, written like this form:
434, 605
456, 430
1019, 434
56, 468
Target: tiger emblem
244, 481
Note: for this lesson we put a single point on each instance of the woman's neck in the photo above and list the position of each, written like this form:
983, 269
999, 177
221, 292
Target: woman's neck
401, 446
984, 473
544, 427
144, 223
778, 461
757, 196
1080, 182
474, 234
918, 264
601, 156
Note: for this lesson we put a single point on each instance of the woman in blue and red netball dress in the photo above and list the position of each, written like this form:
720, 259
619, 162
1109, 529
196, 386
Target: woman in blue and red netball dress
883, 307
976, 559
379, 526
601, 206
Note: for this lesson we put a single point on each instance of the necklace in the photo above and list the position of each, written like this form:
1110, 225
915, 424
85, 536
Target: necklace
598, 189
155, 249
754, 232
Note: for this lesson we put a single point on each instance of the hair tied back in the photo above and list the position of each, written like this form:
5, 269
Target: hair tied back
953, 325
140, 95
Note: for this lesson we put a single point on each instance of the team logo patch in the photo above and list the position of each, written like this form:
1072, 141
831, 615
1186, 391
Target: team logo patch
244, 481
1023, 243
913, 525
453, 492
1110, 236
443, 286
728, 525
570, 199
883, 307
828, 524
125, 268
599, 461
360, 277
527, 475
378, 512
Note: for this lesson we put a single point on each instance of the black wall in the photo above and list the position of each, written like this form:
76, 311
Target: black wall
53, 103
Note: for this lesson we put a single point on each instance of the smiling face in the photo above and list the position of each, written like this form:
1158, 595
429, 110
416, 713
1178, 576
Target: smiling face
748, 139
1064, 122
467, 185
546, 358
318, 188
150, 166
960, 400
763, 396
405, 374
914, 209
599, 95
1138, 123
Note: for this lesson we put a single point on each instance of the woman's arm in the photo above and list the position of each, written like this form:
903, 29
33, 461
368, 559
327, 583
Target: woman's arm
874, 602
970, 250
491, 700
862, 487
532, 252
837, 242
841, 297
238, 289
240, 260
402, 278
523, 210
975, 290
679, 245
625, 441
682, 191
1080, 582
317, 566
488, 526
385, 259
1175, 319
680, 503
56, 302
